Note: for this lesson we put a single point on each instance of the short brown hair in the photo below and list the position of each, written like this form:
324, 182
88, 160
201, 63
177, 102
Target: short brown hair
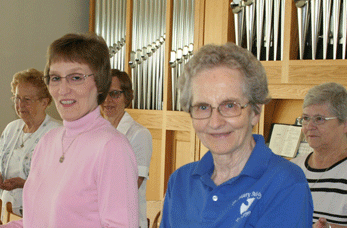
35, 78
87, 49
125, 85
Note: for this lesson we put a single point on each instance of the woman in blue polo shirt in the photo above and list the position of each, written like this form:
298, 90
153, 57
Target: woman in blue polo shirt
239, 182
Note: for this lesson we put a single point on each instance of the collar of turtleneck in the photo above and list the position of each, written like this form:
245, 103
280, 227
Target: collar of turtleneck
73, 128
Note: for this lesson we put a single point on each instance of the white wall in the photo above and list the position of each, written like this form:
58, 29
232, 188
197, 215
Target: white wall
26, 30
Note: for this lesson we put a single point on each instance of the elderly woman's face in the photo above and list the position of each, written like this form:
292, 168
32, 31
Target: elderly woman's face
28, 103
222, 135
113, 107
73, 101
324, 136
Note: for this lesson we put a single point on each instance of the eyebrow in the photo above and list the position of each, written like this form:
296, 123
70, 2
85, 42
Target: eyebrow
225, 101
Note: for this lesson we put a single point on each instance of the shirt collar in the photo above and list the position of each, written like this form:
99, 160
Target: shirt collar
255, 166
125, 123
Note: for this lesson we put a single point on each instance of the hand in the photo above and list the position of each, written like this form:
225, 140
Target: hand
12, 183
321, 223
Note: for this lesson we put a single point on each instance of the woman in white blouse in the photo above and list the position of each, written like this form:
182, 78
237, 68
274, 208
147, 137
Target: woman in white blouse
18, 140
113, 109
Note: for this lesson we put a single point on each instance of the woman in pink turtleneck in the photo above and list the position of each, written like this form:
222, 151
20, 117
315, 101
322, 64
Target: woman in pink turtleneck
83, 174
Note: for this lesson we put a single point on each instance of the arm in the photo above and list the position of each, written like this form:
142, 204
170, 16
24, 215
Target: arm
12, 183
141, 143
116, 182
139, 181
289, 206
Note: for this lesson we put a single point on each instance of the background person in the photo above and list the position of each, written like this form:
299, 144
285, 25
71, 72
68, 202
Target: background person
324, 124
18, 140
239, 182
83, 174
113, 109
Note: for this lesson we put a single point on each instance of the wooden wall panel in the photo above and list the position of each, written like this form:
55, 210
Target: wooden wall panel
153, 183
182, 150
317, 71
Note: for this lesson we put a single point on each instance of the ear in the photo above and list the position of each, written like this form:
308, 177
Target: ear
256, 117
44, 102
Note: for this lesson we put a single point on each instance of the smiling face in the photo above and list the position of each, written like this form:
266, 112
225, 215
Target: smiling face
73, 101
222, 135
30, 107
325, 136
114, 107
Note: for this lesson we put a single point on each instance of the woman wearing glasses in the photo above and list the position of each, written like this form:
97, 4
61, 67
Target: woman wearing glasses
324, 124
84, 173
113, 109
239, 182
18, 140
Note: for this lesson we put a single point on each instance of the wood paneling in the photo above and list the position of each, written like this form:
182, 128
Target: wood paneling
153, 184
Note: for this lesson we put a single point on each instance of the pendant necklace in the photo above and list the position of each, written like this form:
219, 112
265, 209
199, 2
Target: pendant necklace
62, 158
23, 141
307, 167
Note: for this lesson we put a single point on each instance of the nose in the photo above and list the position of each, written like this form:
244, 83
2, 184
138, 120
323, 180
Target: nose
108, 98
64, 87
311, 124
216, 119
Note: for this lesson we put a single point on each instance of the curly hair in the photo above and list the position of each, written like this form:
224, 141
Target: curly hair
35, 78
210, 56
331, 93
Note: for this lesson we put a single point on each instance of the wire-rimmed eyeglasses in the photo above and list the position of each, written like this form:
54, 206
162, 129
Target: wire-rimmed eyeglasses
115, 94
72, 79
318, 120
226, 109
24, 100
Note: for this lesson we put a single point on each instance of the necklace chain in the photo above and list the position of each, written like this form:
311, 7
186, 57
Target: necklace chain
23, 141
62, 157
307, 167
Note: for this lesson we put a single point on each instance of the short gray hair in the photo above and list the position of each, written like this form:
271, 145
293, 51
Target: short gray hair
210, 56
331, 93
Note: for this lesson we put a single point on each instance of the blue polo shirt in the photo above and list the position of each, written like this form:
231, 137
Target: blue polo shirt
269, 192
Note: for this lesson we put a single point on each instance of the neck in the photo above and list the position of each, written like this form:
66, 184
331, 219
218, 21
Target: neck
114, 120
32, 125
322, 159
230, 165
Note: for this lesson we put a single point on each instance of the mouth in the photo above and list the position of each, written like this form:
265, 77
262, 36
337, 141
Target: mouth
108, 108
220, 135
67, 103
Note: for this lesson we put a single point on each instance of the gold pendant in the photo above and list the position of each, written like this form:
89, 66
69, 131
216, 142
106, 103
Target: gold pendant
61, 159
22, 145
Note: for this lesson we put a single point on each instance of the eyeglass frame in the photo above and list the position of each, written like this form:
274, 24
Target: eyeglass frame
314, 119
47, 78
118, 93
218, 109
28, 101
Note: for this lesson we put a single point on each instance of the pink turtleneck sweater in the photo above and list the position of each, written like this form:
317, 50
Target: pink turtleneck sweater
95, 186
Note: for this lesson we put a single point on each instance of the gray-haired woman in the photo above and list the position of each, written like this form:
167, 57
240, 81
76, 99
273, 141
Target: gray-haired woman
239, 182
324, 124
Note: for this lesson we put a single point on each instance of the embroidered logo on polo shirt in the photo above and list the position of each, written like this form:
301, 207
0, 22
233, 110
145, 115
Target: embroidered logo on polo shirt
246, 200
245, 207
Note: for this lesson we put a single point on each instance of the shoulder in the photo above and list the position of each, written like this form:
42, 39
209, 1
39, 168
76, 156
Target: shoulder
13, 126
52, 123
286, 170
183, 173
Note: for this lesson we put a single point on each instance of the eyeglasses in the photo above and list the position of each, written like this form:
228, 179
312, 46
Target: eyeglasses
318, 120
24, 100
226, 109
72, 79
115, 94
